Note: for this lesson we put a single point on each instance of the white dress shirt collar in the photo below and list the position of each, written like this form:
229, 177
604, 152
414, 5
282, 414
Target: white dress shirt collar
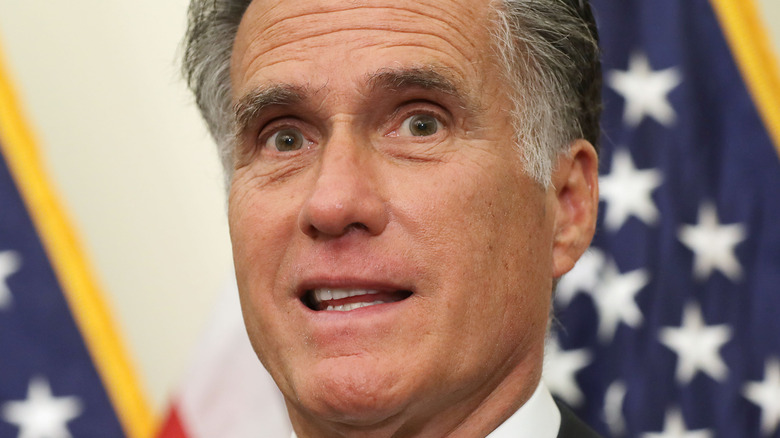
539, 417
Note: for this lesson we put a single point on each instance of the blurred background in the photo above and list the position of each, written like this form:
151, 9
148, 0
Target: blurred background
133, 164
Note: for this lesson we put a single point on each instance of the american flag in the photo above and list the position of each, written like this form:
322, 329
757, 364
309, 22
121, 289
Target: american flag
669, 327
62, 371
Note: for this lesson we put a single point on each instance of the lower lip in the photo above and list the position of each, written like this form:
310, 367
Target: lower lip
337, 334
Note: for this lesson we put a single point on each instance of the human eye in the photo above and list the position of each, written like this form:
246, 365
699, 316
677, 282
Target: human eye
286, 140
419, 125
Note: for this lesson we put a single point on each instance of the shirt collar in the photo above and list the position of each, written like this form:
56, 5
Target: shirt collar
539, 417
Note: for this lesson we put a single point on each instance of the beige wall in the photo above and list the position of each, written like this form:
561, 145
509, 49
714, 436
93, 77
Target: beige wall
771, 12
132, 162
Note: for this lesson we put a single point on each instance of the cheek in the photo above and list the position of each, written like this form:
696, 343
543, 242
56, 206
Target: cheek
487, 233
260, 222
260, 230
248, 234
481, 219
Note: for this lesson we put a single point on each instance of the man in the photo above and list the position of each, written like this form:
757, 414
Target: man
407, 180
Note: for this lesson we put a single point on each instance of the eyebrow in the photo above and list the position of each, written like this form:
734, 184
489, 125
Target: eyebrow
431, 78
250, 106
422, 77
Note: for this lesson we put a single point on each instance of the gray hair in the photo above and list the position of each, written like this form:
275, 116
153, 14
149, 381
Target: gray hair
549, 50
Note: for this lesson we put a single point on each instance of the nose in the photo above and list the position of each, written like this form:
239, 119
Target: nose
345, 196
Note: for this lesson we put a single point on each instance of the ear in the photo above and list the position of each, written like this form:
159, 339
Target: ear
575, 181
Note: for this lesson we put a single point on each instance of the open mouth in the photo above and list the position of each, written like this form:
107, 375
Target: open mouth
344, 300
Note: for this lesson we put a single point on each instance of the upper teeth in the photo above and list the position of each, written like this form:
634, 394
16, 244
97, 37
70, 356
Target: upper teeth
338, 294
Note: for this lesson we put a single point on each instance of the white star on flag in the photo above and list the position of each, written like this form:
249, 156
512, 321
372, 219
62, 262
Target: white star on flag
585, 275
10, 262
559, 370
613, 408
697, 345
713, 244
645, 90
41, 415
766, 395
674, 427
615, 300
627, 192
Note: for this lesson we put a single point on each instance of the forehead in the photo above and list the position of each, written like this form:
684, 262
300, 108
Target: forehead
298, 38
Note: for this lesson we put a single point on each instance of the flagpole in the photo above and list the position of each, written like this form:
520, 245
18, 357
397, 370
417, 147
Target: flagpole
749, 41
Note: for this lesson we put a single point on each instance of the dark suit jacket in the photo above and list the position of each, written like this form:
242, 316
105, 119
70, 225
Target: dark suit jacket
573, 427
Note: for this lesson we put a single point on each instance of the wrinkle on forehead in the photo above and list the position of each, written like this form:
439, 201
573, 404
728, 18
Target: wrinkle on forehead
267, 30
398, 19
457, 14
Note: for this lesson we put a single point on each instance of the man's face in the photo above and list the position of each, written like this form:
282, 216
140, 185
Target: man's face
377, 159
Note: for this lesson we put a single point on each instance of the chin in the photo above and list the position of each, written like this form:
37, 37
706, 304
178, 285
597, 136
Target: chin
343, 391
